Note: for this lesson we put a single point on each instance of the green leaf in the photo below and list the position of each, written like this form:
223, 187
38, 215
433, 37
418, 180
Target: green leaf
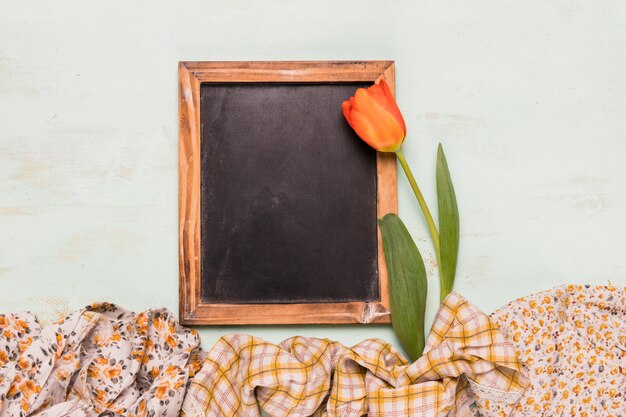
448, 224
407, 284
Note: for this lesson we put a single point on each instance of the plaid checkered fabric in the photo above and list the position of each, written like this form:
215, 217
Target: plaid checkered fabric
466, 357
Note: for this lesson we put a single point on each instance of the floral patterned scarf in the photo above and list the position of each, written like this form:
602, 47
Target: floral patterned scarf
571, 340
102, 359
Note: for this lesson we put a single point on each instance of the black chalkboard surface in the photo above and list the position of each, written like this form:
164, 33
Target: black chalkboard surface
288, 192
278, 197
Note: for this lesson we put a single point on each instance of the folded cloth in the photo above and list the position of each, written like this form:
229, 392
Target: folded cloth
102, 359
466, 357
571, 341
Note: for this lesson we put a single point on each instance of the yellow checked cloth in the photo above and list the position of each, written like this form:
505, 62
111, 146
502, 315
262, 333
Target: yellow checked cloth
466, 357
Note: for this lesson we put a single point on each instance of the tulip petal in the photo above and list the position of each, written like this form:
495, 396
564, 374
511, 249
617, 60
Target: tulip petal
393, 106
386, 89
376, 92
375, 124
366, 130
346, 106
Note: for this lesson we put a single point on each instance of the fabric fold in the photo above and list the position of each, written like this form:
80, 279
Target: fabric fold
466, 358
102, 359
571, 340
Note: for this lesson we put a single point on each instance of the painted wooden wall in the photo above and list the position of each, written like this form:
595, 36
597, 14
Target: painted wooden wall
528, 99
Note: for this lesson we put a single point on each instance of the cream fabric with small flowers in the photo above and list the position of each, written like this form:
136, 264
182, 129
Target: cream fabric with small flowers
571, 341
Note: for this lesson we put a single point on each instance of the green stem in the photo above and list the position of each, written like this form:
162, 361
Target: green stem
420, 199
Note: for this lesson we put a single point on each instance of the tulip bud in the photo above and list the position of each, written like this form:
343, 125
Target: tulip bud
374, 115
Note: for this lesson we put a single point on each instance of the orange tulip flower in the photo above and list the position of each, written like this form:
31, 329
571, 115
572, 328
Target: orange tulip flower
374, 115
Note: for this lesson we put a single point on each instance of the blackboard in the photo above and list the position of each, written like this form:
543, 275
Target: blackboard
288, 200
288, 196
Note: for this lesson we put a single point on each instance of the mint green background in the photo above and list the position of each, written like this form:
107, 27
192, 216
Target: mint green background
527, 98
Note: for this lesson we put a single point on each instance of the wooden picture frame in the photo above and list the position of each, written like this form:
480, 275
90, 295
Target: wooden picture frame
192, 310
